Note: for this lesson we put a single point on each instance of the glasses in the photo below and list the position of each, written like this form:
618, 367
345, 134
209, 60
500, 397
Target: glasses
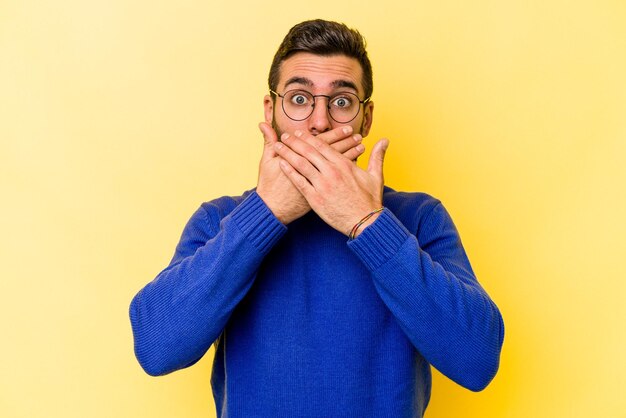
342, 107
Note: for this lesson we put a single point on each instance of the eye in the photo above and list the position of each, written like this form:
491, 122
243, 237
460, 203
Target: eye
299, 99
342, 102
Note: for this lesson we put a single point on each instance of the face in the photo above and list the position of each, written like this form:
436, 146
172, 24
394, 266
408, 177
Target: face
317, 74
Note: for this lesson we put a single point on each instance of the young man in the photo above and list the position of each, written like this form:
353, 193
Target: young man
326, 293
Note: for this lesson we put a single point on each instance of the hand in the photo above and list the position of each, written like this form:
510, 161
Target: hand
281, 197
276, 190
338, 190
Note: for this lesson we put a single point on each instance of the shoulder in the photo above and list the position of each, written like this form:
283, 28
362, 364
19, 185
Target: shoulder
409, 202
213, 211
413, 209
222, 206
204, 224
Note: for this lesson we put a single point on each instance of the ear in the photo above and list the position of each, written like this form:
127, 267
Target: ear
268, 108
368, 117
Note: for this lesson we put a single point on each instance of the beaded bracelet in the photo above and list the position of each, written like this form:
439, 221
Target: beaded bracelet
362, 221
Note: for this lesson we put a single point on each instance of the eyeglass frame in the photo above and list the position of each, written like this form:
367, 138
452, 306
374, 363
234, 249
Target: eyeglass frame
315, 96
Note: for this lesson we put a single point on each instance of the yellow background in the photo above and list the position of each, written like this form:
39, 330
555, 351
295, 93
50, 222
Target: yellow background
117, 118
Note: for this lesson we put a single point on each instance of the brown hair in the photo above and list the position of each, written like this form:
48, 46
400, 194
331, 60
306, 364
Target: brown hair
322, 37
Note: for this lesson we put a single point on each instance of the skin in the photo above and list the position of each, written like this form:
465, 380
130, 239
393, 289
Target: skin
312, 166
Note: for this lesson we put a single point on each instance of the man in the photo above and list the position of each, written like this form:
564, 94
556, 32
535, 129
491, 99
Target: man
326, 293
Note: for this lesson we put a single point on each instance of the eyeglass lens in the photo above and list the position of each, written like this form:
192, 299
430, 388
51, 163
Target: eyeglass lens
299, 104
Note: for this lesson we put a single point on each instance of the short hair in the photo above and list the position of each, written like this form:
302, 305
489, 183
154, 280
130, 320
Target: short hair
326, 38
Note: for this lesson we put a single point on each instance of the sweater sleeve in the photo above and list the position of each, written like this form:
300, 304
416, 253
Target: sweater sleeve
429, 286
176, 317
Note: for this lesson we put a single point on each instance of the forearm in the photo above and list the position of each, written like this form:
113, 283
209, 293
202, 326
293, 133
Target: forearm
443, 310
177, 316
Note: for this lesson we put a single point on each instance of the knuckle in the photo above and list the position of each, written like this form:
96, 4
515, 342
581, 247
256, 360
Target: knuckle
299, 163
334, 174
323, 187
300, 183
351, 155
326, 137
342, 146
308, 153
304, 148
346, 164
317, 143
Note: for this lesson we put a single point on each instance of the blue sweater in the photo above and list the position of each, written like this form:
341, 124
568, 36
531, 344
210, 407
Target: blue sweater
309, 324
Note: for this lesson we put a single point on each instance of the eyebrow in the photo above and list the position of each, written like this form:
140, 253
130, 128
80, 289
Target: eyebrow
299, 80
344, 83
335, 84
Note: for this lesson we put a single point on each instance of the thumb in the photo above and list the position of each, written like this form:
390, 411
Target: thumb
375, 163
269, 139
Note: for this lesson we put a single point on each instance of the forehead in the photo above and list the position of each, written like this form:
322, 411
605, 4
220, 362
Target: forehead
324, 72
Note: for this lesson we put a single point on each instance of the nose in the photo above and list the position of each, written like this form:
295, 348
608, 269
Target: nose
319, 121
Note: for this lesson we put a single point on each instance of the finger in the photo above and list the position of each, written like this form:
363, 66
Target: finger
345, 144
354, 152
375, 164
306, 149
298, 180
269, 138
336, 134
322, 148
291, 150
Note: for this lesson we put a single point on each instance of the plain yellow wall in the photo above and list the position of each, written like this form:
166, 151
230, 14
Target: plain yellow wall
118, 118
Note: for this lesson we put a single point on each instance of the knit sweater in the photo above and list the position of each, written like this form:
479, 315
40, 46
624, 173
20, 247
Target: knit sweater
309, 324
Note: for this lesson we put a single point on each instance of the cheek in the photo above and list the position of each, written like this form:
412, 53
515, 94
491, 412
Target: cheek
281, 123
279, 131
357, 124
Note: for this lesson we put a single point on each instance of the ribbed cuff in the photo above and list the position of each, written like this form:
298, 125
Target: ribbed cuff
380, 240
258, 223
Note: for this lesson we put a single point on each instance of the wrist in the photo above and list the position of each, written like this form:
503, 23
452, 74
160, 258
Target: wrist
271, 206
286, 210
366, 221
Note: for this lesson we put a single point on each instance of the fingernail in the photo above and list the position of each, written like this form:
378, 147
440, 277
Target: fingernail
278, 145
347, 129
298, 133
360, 148
284, 136
357, 138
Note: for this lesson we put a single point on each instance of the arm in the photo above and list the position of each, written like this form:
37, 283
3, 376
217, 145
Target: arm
429, 286
425, 280
177, 316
